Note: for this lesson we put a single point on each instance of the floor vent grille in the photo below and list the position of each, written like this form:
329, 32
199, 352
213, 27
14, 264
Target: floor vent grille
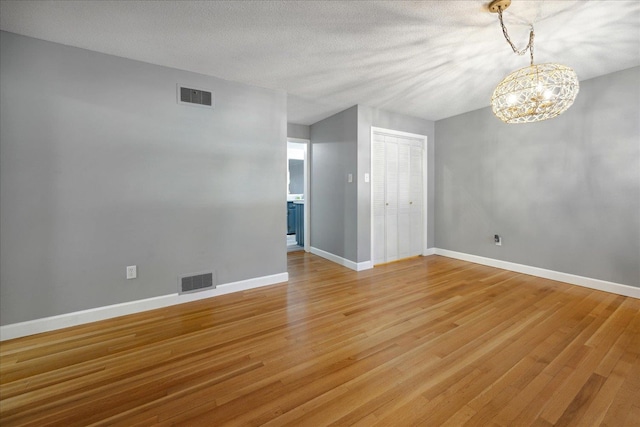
196, 282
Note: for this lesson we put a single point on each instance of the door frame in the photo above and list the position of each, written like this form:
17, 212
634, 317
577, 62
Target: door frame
307, 188
425, 187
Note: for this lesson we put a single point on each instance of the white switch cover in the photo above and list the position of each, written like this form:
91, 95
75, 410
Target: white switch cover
350, 177
132, 272
366, 177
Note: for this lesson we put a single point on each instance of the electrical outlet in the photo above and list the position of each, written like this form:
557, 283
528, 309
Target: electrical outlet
497, 239
132, 272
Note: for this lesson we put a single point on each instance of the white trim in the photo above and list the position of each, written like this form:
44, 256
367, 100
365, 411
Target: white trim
17, 330
307, 196
425, 185
297, 140
46, 324
601, 285
392, 132
357, 266
364, 265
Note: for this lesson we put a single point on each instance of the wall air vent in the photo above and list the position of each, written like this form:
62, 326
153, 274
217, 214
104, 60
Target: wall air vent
195, 96
196, 282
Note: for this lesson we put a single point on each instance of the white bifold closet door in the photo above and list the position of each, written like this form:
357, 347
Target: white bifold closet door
397, 197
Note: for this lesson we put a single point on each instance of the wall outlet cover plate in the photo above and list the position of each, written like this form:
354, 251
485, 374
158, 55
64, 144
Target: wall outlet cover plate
132, 272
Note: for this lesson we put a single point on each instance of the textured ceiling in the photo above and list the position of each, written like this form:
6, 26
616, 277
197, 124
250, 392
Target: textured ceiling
428, 59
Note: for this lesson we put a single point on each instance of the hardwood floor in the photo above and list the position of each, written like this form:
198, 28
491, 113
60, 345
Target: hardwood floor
429, 341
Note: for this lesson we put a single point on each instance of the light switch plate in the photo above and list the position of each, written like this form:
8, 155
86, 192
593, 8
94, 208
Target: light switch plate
350, 177
366, 177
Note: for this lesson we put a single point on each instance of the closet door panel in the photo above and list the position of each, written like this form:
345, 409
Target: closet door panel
404, 199
416, 203
391, 199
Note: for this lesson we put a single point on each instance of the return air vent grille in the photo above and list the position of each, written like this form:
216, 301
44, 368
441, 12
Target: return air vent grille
196, 282
195, 96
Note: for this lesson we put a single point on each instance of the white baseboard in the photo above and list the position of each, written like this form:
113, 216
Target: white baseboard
357, 266
601, 285
46, 324
364, 265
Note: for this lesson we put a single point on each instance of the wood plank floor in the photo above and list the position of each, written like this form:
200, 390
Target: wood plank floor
429, 341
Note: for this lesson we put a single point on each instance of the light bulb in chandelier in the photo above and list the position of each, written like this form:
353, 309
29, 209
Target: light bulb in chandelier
533, 93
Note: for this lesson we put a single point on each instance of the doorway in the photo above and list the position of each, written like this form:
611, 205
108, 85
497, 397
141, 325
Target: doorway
297, 194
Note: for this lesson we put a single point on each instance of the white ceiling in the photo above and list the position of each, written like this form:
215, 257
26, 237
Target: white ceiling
428, 59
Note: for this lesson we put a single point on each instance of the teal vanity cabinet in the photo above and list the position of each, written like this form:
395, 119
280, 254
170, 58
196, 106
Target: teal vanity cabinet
291, 218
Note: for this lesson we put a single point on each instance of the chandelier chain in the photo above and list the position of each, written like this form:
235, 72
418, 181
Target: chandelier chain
522, 51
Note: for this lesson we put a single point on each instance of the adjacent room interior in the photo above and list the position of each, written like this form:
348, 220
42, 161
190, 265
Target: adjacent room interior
297, 193
453, 256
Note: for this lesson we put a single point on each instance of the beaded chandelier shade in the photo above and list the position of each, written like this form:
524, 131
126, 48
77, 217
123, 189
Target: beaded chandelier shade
534, 93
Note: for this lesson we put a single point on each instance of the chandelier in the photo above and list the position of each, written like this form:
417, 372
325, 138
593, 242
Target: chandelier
533, 93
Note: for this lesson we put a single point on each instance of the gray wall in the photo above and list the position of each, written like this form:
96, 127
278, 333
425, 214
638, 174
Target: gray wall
563, 193
298, 131
367, 117
100, 168
333, 201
